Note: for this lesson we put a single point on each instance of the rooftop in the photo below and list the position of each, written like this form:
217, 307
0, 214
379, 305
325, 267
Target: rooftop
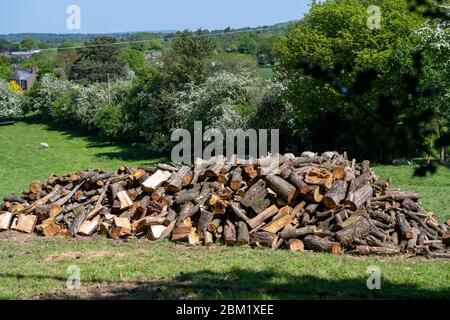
22, 74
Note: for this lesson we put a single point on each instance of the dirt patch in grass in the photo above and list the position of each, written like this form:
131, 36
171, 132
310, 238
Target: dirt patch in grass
78, 255
123, 290
15, 236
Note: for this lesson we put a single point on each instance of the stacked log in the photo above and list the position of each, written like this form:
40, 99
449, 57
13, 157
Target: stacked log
321, 203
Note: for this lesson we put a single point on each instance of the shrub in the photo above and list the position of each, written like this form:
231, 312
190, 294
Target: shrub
52, 100
10, 102
109, 119
224, 101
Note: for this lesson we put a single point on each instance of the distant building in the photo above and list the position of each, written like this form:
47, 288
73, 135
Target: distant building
3, 52
153, 56
24, 78
24, 55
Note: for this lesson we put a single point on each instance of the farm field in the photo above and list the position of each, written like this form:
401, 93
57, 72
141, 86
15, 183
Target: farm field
37, 268
22, 160
32, 267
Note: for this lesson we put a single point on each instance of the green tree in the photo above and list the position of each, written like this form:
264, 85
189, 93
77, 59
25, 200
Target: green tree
28, 44
99, 58
44, 61
188, 59
110, 120
247, 44
135, 59
337, 69
435, 46
235, 62
146, 41
5, 69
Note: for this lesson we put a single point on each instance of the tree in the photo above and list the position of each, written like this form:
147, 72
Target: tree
266, 48
342, 75
99, 58
44, 61
110, 120
28, 44
435, 46
5, 70
187, 60
135, 59
146, 41
247, 44
67, 55
224, 101
10, 102
4, 45
235, 62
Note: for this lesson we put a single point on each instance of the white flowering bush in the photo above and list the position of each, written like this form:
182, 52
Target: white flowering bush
62, 100
10, 102
274, 112
88, 102
52, 100
224, 101
93, 98
435, 38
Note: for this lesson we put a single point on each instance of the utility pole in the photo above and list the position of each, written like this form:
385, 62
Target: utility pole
109, 90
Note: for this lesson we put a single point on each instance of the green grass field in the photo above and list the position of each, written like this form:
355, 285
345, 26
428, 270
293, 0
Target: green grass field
32, 267
147, 270
22, 160
266, 73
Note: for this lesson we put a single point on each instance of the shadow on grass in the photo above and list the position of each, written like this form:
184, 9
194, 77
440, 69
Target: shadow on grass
125, 151
241, 284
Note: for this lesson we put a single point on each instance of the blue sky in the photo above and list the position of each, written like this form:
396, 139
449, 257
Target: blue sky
103, 16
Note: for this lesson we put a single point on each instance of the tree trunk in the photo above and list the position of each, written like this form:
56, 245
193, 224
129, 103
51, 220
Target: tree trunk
442, 155
297, 233
281, 187
359, 197
255, 197
321, 245
263, 216
229, 233
358, 230
335, 195
243, 237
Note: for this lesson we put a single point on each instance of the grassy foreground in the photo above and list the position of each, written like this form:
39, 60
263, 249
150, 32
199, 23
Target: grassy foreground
32, 267
22, 160
38, 268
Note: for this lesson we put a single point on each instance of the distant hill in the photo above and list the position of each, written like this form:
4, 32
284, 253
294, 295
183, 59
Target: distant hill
55, 39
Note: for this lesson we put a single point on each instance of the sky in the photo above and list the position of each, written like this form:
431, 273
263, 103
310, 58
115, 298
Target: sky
108, 16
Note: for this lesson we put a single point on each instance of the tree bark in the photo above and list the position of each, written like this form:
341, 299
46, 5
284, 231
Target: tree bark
229, 233
321, 245
358, 230
364, 250
263, 216
243, 237
335, 195
297, 233
204, 220
281, 187
179, 179
255, 197
359, 197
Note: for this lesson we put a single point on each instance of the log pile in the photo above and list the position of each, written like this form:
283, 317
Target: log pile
323, 203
